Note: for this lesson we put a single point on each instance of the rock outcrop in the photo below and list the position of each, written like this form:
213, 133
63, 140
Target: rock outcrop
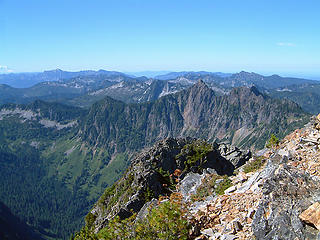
157, 171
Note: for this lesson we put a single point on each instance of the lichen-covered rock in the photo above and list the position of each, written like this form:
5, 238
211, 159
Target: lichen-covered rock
189, 184
232, 154
286, 193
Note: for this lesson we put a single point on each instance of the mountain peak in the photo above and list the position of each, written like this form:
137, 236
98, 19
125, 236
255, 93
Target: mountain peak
200, 84
58, 70
201, 88
243, 74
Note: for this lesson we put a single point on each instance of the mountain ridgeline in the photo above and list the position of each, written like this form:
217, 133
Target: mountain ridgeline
84, 88
25, 80
245, 118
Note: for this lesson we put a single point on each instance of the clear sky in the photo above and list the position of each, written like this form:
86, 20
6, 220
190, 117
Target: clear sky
265, 36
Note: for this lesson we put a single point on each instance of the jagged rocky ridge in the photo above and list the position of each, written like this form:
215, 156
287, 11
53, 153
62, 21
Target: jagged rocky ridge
153, 173
245, 117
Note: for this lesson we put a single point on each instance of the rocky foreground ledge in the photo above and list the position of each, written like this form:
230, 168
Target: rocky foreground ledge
281, 200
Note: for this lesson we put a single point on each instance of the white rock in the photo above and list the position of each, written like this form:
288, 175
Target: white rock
208, 232
230, 189
247, 185
283, 152
228, 237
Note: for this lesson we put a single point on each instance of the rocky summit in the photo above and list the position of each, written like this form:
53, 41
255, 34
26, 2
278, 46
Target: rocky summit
222, 192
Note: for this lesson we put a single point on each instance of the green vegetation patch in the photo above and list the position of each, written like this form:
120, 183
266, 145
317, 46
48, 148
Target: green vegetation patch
254, 165
167, 179
210, 186
195, 153
90, 218
166, 221
273, 141
112, 194
223, 185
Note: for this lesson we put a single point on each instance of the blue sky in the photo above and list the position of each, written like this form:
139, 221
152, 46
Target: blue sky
265, 36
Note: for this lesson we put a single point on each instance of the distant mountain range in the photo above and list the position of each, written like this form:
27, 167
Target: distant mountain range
84, 88
25, 80
173, 75
307, 95
149, 74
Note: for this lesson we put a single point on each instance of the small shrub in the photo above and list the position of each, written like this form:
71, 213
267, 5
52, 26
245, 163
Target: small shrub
148, 194
273, 141
167, 179
90, 218
118, 229
85, 234
195, 154
254, 165
168, 221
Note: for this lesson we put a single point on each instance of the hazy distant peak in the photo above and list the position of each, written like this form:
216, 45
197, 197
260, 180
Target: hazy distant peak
246, 74
275, 75
58, 70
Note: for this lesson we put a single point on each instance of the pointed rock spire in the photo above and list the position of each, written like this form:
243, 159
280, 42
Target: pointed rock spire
201, 85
